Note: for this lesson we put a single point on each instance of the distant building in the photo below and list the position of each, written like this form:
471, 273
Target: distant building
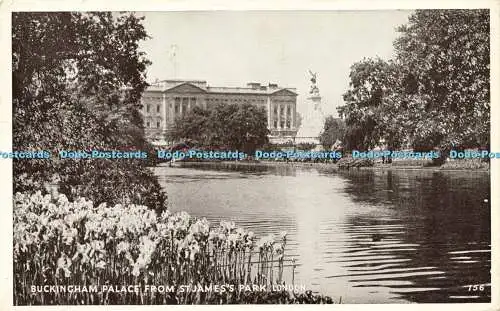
163, 101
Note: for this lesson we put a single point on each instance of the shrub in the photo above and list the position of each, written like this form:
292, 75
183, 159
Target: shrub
465, 164
114, 181
348, 162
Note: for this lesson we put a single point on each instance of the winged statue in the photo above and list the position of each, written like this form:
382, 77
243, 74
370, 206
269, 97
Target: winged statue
314, 88
313, 76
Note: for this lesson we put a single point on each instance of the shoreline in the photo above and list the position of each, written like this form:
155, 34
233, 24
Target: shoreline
334, 167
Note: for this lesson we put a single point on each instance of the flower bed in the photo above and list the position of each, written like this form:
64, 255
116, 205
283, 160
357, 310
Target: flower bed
60, 243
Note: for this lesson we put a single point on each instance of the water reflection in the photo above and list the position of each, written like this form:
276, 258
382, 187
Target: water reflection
368, 236
444, 215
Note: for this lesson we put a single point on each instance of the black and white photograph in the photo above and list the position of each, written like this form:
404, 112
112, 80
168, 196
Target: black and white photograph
298, 156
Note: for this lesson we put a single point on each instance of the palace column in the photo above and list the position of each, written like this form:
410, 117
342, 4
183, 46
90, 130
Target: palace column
164, 114
289, 115
269, 121
285, 117
279, 116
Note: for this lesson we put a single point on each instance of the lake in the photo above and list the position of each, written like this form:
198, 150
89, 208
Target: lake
364, 235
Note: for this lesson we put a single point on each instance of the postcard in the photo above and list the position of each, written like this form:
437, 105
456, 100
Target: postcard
174, 155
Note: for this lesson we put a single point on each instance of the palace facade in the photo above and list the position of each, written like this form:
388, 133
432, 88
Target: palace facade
164, 101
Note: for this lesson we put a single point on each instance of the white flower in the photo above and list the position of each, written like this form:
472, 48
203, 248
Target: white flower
68, 235
101, 265
122, 247
63, 263
136, 271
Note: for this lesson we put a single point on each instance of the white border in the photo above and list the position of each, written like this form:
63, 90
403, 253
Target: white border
6, 7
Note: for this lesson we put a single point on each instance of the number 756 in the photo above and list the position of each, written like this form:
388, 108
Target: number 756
475, 288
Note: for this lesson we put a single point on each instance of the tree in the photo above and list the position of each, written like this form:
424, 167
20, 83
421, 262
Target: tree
435, 93
193, 125
77, 82
444, 56
246, 129
365, 111
333, 131
240, 127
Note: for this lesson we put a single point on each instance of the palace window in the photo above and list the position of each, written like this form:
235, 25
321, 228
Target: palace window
148, 124
275, 124
158, 124
287, 124
157, 108
282, 124
148, 107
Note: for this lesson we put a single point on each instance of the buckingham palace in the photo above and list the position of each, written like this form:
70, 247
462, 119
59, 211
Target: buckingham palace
164, 101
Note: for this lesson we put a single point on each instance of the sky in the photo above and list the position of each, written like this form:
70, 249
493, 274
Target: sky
232, 48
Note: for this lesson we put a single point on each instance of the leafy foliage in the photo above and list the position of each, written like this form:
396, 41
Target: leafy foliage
435, 93
367, 115
445, 58
239, 127
333, 131
77, 82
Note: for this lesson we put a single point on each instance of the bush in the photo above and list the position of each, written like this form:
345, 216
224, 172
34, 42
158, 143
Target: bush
114, 181
465, 164
348, 162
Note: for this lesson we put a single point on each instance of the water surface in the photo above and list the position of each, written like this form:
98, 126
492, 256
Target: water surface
368, 236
